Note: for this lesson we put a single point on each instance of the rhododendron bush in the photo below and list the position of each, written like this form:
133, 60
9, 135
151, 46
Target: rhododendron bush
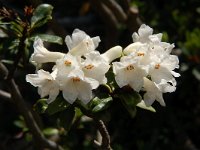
84, 81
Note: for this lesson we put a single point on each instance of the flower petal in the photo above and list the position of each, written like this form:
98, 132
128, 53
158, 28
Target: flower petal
112, 53
84, 92
70, 92
42, 55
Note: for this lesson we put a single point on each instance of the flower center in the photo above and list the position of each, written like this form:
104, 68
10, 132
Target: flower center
140, 54
89, 67
157, 66
76, 79
87, 43
68, 63
129, 67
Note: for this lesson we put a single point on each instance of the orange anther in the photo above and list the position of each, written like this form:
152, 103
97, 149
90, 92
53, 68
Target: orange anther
157, 66
68, 63
140, 54
76, 79
130, 67
89, 66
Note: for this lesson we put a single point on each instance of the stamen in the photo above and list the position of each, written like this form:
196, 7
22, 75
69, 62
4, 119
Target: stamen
130, 67
140, 54
157, 66
68, 63
89, 66
76, 79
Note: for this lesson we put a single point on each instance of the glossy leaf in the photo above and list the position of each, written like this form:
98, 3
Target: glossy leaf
56, 106
41, 15
102, 104
143, 106
112, 83
49, 38
50, 131
41, 105
66, 118
130, 99
17, 28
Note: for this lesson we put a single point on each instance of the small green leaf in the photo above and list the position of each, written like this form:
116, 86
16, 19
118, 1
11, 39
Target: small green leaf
102, 104
19, 123
28, 137
41, 15
17, 28
196, 73
143, 106
112, 83
49, 38
130, 99
56, 106
50, 131
66, 118
41, 105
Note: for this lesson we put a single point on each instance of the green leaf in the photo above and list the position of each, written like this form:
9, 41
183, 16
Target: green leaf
143, 106
19, 123
66, 118
112, 83
101, 104
130, 99
41, 105
41, 15
49, 38
17, 28
50, 131
196, 73
56, 106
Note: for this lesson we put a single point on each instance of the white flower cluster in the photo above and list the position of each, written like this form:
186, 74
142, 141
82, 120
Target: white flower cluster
148, 66
145, 65
76, 73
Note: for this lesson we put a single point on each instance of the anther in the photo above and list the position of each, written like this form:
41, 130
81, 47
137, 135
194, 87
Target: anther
140, 54
89, 66
68, 63
76, 79
130, 67
157, 66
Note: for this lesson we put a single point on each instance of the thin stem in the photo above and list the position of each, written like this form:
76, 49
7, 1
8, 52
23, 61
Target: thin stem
105, 144
116, 9
27, 114
5, 96
109, 20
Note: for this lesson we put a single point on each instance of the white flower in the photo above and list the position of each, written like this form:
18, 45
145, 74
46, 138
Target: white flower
143, 34
46, 84
95, 66
76, 85
112, 54
80, 43
42, 55
140, 51
129, 72
153, 92
162, 68
65, 65
133, 47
